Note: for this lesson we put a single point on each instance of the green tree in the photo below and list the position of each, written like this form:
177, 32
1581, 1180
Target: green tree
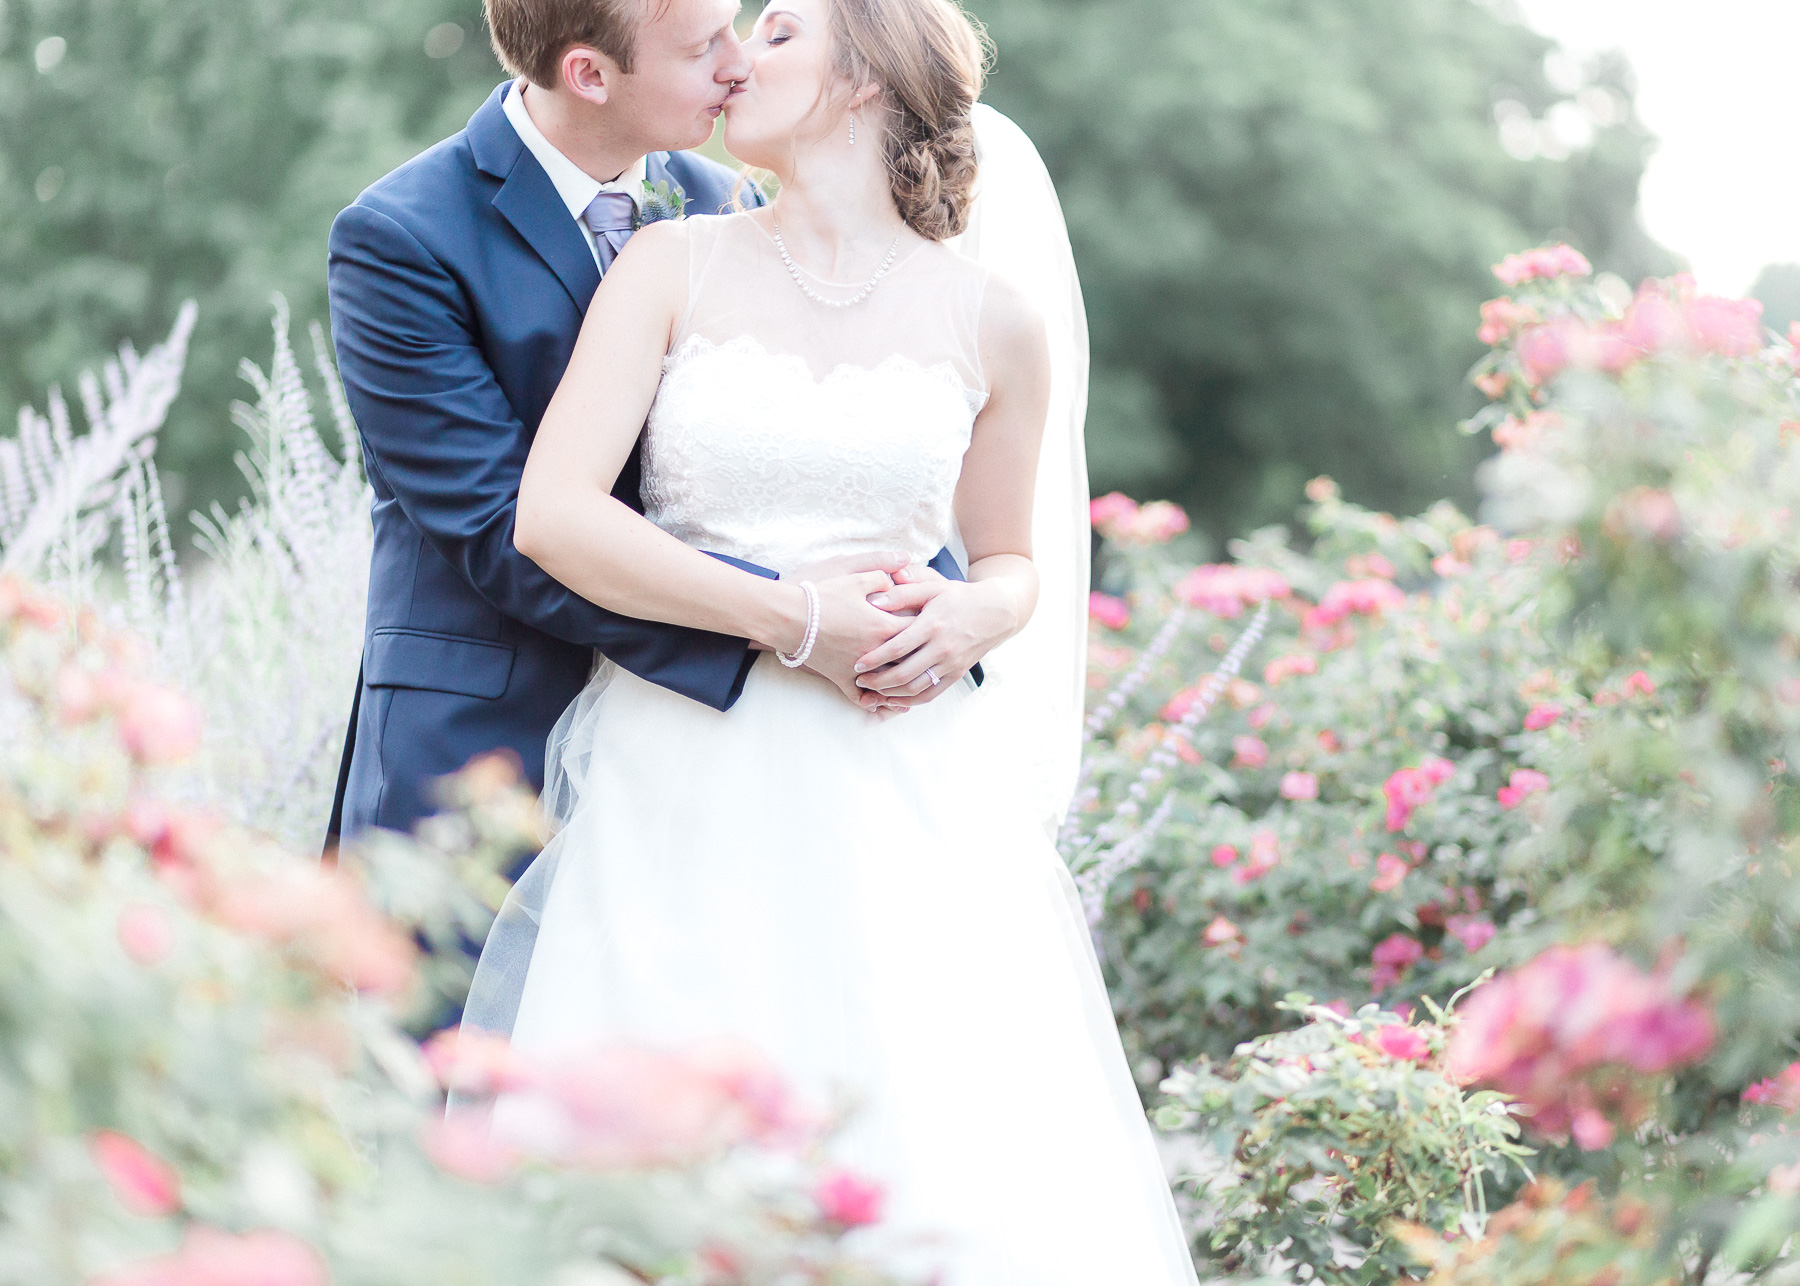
156, 150
1285, 212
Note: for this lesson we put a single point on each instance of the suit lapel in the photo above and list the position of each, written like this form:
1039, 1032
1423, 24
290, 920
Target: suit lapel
529, 201
656, 170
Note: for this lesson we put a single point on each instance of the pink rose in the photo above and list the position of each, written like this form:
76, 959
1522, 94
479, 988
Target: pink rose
1106, 511
1653, 323
1367, 597
849, 1200
1782, 1091
1593, 1132
1221, 932
1249, 752
1225, 589
142, 1181
159, 725
1640, 684
145, 933
1542, 715
1265, 856
1500, 318
1493, 383
1286, 667
1550, 349
1401, 1043
1398, 950
1542, 263
1159, 522
1407, 788
1523, 783
1472, 931
1299, 786
1177, 707
1393, 957
1728, 327
1390, 871
1109, 611
1224, 855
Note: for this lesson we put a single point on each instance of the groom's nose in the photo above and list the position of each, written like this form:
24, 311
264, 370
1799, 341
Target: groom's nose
734, 64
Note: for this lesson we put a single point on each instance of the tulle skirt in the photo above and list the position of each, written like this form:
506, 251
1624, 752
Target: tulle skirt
871, 905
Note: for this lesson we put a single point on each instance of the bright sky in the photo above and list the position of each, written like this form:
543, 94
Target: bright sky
1719, 84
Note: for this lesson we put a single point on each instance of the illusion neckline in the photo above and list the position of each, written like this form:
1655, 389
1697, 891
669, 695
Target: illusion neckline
832, 282
748, 345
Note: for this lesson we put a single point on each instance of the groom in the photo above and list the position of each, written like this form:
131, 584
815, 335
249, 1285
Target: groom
458, 285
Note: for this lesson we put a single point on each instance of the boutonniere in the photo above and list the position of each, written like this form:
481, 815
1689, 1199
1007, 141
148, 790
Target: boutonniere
659, 201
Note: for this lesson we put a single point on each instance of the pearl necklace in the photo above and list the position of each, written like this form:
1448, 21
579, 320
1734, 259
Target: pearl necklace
869, 289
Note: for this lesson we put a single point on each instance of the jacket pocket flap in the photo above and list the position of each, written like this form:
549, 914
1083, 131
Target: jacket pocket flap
437, 663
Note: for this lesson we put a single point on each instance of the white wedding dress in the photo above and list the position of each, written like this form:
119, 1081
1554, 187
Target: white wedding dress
873, 904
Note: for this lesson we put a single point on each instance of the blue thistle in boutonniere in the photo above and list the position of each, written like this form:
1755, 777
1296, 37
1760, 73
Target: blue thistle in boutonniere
659, 201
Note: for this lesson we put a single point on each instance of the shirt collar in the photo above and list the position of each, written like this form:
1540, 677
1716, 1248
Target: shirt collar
575, 186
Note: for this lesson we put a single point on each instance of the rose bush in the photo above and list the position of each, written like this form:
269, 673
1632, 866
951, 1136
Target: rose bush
204, 1076
1556, 744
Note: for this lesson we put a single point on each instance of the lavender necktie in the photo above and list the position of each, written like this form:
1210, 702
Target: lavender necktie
610, 217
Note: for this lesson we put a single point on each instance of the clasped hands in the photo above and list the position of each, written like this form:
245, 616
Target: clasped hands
888, 626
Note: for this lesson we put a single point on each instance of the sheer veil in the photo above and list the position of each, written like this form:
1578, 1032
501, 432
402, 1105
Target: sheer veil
1037, 679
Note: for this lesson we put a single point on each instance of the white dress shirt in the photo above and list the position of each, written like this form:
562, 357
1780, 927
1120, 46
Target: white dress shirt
574, 185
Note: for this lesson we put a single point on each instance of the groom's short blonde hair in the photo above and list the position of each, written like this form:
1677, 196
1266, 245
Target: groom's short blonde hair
531, 36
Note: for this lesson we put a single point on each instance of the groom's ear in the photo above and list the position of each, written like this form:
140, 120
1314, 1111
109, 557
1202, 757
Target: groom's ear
588, 74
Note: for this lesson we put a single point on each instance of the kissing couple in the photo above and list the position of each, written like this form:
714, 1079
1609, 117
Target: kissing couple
618, 407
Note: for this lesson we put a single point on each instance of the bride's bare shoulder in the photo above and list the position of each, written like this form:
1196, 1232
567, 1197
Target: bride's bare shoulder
1013, 336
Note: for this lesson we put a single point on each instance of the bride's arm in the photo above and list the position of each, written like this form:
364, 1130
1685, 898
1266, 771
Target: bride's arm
570, 524
958, 624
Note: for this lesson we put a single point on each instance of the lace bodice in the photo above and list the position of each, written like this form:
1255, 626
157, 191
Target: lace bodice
786, 431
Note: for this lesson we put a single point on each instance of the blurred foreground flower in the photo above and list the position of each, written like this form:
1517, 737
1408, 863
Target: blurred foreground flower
1578, 1036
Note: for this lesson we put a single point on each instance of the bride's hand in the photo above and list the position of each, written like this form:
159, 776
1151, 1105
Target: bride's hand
850, 626
956, 624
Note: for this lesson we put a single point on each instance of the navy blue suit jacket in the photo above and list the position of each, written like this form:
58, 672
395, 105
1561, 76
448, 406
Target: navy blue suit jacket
458, 285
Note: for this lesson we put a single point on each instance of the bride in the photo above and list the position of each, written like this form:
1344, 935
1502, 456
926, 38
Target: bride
869, 899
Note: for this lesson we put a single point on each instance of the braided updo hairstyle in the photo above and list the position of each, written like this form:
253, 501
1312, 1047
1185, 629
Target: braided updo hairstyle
931, 59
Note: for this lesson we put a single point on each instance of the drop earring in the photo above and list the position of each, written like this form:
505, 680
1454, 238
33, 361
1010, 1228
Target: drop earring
852, 129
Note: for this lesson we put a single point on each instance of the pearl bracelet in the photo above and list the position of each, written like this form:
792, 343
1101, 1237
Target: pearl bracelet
799, 658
